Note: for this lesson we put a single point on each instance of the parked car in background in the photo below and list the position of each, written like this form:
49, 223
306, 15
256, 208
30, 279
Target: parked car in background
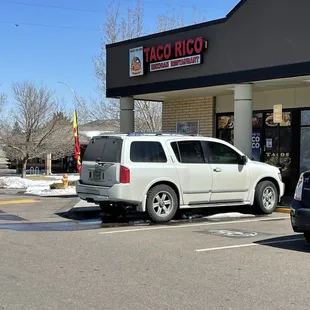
300, 207
161, 173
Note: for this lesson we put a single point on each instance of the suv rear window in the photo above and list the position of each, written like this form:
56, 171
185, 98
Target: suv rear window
104, 149
147, 152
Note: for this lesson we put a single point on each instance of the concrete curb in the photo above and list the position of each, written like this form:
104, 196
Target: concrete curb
283, 210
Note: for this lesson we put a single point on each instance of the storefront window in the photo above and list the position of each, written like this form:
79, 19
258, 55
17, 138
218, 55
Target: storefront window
305, 141
227, 135
305, 118
225, 125
225, 122
257, 120
286, 120
270, 142
304, 149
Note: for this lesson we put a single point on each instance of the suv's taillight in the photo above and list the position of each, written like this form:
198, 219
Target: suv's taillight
124, 175
298, 190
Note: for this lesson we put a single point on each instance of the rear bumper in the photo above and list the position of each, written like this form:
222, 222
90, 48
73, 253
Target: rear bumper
300, 217
97, 194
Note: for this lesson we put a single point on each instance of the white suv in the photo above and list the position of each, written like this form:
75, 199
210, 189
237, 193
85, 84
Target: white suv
161, 173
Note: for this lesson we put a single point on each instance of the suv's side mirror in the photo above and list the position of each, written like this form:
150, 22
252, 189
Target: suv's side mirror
243, 160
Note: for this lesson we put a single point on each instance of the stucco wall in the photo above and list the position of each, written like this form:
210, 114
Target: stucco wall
264, 100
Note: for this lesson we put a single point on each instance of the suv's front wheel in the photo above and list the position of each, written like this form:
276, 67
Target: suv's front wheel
266, 197
161, 203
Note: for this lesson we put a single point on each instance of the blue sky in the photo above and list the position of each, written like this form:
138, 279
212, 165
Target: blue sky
54, 44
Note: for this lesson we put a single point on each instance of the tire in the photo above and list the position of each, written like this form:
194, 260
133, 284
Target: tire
262, 203
307, 236
156, 209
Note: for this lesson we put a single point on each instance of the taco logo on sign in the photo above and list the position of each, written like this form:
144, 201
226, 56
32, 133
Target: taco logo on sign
136, 61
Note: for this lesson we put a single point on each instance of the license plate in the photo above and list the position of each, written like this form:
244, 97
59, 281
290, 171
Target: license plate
97, 175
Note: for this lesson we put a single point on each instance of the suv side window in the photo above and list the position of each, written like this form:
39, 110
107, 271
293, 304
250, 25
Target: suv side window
147, 152
189, 152
222, 154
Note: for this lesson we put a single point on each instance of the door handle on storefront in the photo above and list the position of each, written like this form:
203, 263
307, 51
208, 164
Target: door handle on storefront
217, 169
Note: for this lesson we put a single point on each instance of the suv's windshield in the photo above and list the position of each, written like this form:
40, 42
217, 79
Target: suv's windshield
104, 149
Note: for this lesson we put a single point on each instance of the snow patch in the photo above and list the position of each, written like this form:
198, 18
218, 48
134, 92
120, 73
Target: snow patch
51, 192
38, 187
14, 182
228, 215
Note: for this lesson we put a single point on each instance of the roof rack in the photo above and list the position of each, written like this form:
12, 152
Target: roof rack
158, 134
146, 133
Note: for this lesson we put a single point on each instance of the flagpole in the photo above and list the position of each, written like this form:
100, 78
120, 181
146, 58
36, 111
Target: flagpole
75, 121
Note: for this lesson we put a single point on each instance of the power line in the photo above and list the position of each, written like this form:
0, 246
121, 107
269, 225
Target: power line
96, 11
162, 3
17, 24
52, 6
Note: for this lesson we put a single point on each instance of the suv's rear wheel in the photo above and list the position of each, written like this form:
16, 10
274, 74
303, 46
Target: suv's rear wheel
161, 203
266, 197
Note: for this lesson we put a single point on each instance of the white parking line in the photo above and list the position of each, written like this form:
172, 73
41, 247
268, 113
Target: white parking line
248, 245
189, 225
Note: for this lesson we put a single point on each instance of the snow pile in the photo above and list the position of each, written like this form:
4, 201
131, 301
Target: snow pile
38, 187
51, 192
14, 182
229, 215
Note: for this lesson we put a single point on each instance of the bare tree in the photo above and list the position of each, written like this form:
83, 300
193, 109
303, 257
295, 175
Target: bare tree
170, 20
36, 126
3, 99
198, 16
148, 115
117, 28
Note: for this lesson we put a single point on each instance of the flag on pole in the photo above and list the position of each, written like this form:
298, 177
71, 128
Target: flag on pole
77, 147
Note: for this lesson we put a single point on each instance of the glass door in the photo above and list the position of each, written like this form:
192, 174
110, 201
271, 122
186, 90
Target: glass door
278, 143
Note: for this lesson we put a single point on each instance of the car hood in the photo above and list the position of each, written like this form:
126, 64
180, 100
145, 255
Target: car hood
264, 165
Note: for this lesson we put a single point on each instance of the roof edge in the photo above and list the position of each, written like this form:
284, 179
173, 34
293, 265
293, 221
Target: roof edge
235, 8
177, 30
168, 32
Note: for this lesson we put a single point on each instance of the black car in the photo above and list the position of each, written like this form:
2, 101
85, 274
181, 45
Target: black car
300, 208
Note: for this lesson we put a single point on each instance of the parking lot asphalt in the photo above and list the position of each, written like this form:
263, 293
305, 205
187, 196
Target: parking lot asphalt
74, 259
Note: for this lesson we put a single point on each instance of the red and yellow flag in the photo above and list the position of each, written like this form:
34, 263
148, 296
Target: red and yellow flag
77, 147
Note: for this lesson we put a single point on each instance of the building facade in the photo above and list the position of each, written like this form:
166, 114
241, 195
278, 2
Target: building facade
244, 78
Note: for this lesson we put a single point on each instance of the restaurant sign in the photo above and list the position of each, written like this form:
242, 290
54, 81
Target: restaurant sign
169, 56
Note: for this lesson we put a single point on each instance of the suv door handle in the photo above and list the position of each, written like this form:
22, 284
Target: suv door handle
217, 169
